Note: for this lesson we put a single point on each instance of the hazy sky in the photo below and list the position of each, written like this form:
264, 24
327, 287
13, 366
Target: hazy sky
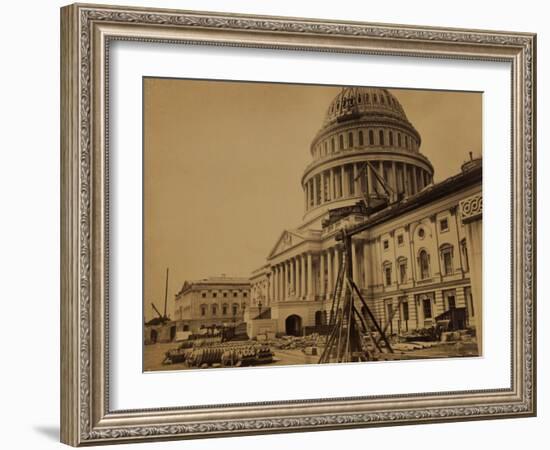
223, 161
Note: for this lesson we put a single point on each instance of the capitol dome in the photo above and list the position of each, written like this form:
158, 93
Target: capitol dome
365, 138
353, 102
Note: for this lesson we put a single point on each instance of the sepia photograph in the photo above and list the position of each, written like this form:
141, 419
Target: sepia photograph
291, 224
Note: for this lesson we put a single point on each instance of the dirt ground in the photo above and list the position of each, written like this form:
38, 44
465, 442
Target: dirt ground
153, 355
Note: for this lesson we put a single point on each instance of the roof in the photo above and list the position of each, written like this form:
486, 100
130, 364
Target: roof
468, 177
215, 281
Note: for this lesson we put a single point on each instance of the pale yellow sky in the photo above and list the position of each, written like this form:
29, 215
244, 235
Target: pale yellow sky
223, 161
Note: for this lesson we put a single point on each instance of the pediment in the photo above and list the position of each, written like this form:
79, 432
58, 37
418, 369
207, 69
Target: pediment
288, 239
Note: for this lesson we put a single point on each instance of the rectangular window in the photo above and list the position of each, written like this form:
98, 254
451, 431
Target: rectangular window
224, 310
215, 294
400, 239
203, 310
427, 307
386, 244
405, 309
244, 294
388, 275
204, 295
448, 262
389, 310
451, 303
444, 225
225, 294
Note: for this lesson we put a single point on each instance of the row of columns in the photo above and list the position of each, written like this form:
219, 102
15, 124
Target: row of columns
297, 277
293, 278
342, 181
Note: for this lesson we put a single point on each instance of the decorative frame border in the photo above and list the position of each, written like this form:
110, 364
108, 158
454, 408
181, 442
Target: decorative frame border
86, 31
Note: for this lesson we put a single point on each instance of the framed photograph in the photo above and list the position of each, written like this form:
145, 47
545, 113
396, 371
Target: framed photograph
276, 225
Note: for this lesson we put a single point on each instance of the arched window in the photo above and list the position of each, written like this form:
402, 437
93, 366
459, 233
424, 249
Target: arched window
391, 137
382, 99
350, 139
341, 142
332, 145
399, 139
446, 251
424, 263
224, 309
234, 309
371, 137
375, 98
381, 136
361, 141
203, 310
367, 98
214, 309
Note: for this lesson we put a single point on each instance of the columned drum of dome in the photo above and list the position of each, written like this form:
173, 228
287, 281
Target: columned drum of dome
365, 138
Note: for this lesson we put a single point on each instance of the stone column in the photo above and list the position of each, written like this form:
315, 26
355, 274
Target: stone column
321, 274
303, 277
268, 288
329, 273
394, 179
336, 263
345, 187
309, 276
471, 211
332, 185
306, 206
277, 284
299, 277
414, 180
366, 264
356, 181
314, 191
370, 180
285, 280
292, 286
355, 268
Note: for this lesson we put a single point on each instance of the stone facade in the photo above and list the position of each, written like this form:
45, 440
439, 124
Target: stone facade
413, 252
211, 302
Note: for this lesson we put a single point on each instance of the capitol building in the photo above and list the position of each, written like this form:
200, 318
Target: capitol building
416, 252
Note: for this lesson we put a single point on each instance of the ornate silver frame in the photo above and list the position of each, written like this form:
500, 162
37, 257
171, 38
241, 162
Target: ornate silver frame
86, 31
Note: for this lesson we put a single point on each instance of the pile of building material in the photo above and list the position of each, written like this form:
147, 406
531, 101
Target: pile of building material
229, 354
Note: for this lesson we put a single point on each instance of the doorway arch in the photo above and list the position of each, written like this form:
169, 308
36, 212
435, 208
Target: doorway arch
293, 325
154, 336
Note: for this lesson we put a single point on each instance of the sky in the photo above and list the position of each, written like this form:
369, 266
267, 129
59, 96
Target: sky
223, 162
